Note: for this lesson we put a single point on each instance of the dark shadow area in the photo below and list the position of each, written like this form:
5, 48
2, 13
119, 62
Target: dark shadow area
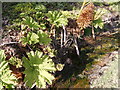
74, 64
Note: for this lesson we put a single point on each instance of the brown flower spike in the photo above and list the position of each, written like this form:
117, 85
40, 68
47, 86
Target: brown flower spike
86, 16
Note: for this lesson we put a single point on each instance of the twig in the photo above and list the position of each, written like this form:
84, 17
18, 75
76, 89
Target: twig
29, 47
8, 43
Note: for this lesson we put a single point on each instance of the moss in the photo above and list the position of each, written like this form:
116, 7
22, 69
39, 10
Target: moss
61, 85
82, 83
89, 66
94, 55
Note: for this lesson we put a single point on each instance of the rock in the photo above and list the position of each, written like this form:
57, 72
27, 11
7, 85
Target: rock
107, 77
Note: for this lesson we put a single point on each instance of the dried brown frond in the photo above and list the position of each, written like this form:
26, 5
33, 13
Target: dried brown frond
86, 16
72, 27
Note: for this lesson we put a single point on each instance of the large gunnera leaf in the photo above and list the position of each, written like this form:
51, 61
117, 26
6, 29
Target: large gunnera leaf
37, 69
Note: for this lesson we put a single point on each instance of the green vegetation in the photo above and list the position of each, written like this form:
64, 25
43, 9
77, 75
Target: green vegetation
15, 61
7, 79
37, 69
33, 38
42, 43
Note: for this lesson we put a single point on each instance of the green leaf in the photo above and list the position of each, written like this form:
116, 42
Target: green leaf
2, 55
7, 79
87, 31
41, 82
26, 62
98, 23
40, 7
56, 18
47, 76
101, 25
23, 26
43, 38
34, 37
42, 26
30, 22
37, 68
15, 61
26, 40
30, 77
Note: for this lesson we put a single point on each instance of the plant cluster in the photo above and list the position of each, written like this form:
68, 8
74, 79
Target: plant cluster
7, 79
37, 68
38, 65
39, 26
